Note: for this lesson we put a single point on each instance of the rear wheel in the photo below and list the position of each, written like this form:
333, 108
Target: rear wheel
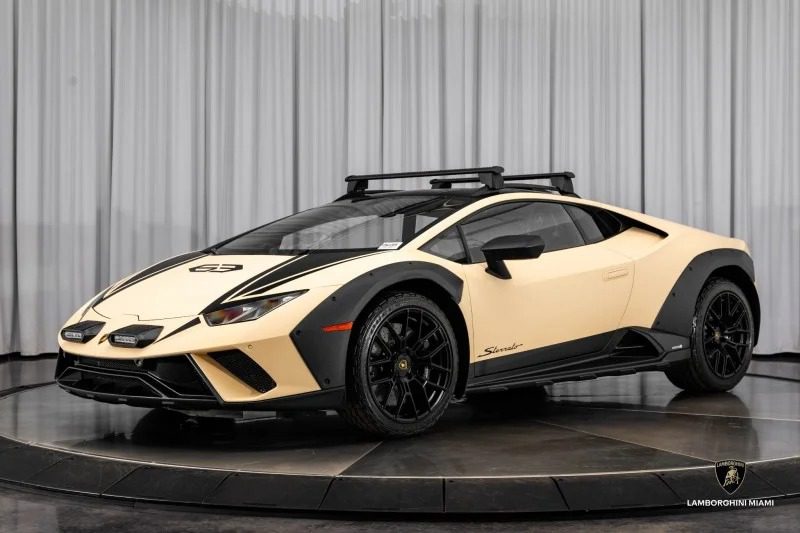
722, 340
403, 369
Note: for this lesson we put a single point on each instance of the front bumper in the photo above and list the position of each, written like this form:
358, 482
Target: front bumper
165, 381
175, 382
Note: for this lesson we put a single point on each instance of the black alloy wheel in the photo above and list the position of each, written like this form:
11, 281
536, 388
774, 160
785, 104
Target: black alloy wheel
403, 370
410, 364
727, 334
722, 340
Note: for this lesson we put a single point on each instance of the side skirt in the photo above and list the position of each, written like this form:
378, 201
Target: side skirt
619, 352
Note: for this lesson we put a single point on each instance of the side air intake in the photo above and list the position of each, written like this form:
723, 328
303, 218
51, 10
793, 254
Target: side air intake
245, 369
634, 344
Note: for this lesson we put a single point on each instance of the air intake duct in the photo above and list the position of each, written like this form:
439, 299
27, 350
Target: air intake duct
245, 369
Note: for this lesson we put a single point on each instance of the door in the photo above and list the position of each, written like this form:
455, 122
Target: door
574, 290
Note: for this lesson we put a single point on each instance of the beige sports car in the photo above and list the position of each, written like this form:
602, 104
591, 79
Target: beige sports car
387, 304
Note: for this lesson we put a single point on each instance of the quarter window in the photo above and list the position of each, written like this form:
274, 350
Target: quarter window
609, 224
448, 245
586, 224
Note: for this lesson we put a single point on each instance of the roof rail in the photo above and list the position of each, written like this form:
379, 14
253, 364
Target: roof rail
492, 177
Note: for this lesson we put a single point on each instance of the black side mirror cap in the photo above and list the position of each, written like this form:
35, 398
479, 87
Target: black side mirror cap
499, 249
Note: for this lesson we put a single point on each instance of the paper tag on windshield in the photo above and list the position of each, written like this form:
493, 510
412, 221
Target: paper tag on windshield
390, 246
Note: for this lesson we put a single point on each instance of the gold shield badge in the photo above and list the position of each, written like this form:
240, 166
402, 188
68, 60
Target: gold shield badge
730, 474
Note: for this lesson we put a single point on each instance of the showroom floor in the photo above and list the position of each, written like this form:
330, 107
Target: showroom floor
23, 511
627, 425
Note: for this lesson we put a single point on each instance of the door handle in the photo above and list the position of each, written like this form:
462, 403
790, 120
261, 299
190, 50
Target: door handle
615, 273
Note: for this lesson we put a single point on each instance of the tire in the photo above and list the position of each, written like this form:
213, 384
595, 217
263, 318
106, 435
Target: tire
400, 376
721, 341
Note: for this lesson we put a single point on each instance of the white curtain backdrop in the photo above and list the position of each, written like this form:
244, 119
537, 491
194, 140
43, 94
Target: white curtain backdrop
8, 242
134, 130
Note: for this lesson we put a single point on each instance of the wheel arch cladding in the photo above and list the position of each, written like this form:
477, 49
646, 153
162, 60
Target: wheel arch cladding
325, 354
677, 311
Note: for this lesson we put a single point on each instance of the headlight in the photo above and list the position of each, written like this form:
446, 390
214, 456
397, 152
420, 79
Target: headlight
250, 310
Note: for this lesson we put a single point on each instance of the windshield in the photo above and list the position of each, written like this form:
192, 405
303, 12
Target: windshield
364, 223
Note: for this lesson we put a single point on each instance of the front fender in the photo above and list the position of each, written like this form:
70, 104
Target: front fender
325, 354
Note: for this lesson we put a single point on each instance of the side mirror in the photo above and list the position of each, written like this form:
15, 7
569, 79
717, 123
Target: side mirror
499, 249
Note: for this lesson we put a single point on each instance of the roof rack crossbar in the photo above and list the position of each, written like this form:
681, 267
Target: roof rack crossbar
560, 180
535, 187
492, 177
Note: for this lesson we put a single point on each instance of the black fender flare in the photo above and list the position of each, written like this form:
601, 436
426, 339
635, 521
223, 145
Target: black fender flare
677, 311
325, 354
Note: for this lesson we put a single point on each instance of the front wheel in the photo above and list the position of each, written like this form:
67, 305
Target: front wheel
403, 369
722, 340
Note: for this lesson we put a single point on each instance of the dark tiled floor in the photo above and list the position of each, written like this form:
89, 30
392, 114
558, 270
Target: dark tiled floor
638, 422
509, 449
23, 511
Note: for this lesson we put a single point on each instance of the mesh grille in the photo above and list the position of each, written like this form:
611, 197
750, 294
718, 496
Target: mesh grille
116, 364
245, 369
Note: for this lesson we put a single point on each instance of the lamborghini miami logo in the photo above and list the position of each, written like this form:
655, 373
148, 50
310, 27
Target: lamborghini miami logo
216, 267
730, 475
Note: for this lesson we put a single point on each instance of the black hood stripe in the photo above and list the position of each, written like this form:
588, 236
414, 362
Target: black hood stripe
193, 322
304, 265
218, 303
152, 271
271, 273
271, 286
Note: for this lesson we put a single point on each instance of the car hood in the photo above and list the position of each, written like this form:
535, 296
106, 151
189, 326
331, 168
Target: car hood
195, 283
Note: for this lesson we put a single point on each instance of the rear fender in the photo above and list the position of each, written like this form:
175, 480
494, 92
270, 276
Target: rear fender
677, 311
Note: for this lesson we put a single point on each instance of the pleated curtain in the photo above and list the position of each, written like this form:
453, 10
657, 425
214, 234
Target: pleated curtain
134, 130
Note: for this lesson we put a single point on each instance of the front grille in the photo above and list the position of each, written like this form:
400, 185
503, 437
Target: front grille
244, 368
116, 364
165, 377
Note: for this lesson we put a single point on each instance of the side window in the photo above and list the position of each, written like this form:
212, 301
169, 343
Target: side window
549, 220
586, 224
448, 245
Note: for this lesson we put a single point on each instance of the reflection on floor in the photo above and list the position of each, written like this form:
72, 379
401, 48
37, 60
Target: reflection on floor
25, 371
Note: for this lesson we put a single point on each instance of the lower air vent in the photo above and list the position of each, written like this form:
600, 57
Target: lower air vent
244, 368
98, 383
634, 344
168, 377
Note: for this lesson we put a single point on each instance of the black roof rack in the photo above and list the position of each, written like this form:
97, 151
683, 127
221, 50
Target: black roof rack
561, 181
489, 176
